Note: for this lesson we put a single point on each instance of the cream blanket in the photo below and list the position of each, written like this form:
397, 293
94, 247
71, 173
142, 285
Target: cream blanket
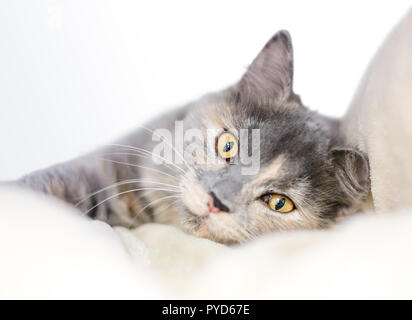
48, 250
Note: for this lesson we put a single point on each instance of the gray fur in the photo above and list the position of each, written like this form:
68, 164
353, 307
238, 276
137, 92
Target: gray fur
322, 177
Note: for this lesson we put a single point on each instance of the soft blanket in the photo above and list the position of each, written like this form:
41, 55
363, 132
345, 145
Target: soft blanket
48, 250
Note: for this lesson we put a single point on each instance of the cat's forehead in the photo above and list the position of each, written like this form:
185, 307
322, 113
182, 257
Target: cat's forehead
291, 131
271, 121
223, 109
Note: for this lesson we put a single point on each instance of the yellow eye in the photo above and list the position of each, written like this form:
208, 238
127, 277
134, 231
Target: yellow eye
280, 203
227, 145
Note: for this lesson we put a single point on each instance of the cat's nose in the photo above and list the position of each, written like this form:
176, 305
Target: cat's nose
215, 205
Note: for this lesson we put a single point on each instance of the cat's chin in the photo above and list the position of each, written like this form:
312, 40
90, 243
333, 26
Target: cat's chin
204, 226
196, 224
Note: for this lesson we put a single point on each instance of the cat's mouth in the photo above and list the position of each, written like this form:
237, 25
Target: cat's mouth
198, 218
210, 226
194, 217
196, 224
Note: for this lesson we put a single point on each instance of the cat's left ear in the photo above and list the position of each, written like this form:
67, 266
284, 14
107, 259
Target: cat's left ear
352, 171
270, 76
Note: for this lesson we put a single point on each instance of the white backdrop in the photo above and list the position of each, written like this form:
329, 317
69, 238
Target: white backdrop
78, 74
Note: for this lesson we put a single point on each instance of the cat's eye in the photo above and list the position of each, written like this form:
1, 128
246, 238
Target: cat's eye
279, 203
227, 146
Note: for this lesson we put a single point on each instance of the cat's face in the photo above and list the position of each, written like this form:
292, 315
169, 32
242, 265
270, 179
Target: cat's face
304, 178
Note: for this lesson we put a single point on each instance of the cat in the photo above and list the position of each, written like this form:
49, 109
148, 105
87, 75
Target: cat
307, 177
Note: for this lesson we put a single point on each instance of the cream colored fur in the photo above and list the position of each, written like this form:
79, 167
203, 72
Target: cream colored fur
48, 251
380, 117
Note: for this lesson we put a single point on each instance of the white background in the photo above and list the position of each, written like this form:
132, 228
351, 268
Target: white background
78, 74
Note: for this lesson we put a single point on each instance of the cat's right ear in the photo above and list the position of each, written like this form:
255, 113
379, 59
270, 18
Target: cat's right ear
270, 76
352, 172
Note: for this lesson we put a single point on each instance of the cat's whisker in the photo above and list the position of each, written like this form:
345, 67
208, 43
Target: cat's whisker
147, 152
171, 146
124, 182
142, 167
157, 200
154, 202
146, 193
149, 155
169, 206
137, 154
125, 192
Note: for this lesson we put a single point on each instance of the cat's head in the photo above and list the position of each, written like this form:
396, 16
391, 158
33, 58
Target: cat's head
304, 179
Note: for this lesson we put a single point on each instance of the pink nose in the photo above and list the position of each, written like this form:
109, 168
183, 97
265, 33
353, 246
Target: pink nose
212, 208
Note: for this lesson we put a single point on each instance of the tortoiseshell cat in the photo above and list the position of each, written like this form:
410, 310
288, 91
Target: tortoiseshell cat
307, 178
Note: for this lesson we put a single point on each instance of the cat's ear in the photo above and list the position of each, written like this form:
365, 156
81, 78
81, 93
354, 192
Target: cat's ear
352, 171
270, 76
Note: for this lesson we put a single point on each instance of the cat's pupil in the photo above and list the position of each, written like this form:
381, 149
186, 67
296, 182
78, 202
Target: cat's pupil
280, 202
228, 146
